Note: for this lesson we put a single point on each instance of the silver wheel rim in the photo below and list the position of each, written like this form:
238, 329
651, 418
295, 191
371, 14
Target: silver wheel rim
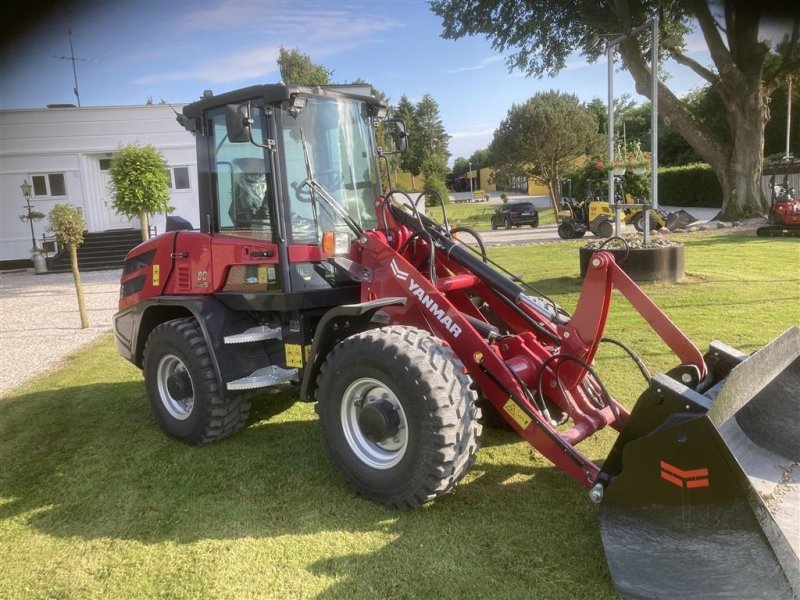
178, 408
378, 455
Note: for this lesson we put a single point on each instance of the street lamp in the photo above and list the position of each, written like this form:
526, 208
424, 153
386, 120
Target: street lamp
652, 24
26, 193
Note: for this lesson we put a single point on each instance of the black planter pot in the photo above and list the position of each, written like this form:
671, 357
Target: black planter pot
643, 265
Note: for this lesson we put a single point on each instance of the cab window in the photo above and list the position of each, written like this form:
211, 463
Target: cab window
244, 181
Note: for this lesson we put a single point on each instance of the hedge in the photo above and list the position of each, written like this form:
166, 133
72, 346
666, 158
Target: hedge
689, 185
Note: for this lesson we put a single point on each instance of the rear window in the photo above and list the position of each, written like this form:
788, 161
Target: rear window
522, 206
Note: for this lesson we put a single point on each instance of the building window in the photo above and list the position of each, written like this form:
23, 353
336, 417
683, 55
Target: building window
105, 164
49, 185
178, 178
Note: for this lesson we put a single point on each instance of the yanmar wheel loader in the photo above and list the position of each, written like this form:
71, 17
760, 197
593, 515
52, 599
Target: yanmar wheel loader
306, 271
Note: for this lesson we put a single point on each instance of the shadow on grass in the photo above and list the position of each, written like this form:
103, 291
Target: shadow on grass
89, 462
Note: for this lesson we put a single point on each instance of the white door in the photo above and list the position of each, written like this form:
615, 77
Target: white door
115, 220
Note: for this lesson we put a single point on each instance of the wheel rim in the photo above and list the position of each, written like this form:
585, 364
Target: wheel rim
170, 366
383, 454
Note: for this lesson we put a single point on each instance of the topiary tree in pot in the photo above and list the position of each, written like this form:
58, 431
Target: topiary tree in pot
66, 222
140, 183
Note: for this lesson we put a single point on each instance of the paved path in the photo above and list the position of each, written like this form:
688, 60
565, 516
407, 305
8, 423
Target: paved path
40, 324
549, 233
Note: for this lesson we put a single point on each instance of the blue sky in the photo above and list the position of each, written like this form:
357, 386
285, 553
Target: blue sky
174, 49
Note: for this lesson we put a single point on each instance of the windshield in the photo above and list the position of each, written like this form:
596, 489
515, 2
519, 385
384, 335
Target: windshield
338, 138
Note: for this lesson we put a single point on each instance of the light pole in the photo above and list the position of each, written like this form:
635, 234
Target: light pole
470, 182
652, 24
26, 193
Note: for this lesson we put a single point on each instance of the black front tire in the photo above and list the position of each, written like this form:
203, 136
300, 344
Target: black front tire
436, 434
184, 391
605, 229
566, 231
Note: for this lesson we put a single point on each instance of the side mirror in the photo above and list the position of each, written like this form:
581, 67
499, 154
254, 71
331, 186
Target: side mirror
400, 136
238, 121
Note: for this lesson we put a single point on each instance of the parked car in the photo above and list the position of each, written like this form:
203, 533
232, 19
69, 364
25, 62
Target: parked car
516, 214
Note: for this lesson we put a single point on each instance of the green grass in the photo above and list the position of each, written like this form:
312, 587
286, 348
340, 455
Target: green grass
478, 215
95, 502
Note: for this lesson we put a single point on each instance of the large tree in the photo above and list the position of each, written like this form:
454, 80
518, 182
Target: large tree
297, 69
543, 137
541, 35
411, 161
431, 144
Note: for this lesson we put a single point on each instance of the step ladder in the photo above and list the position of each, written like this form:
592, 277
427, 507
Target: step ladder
265, 376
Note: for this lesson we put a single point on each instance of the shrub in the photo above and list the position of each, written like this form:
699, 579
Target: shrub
140, 183
689, 185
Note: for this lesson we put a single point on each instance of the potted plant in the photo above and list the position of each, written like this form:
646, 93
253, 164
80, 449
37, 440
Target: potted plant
662, 260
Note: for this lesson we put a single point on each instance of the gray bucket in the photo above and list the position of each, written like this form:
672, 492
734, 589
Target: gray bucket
703, 498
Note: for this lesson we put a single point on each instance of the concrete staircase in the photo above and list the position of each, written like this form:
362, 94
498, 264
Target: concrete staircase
99, 251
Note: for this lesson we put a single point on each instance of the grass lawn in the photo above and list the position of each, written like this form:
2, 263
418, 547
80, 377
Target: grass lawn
96, 502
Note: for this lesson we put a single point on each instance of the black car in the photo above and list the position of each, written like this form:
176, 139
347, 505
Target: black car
515, 214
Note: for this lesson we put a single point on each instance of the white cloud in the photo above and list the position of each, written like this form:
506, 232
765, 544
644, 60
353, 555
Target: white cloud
324, 31
254, 63
471, 133
481, 64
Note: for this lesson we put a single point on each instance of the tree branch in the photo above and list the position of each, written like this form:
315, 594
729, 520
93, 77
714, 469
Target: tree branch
672, 110
719, 53
684, 60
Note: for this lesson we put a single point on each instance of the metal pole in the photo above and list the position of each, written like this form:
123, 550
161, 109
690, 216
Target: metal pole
30, 220
653, 128
610, 60
470, 182
788, 115
74, 69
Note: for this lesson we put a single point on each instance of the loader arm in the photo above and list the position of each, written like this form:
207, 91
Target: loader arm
583, 332
537, 365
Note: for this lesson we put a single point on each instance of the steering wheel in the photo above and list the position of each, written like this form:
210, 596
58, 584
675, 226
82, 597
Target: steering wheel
330, 179
302, 192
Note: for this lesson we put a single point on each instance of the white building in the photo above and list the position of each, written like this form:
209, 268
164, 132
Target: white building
65, 153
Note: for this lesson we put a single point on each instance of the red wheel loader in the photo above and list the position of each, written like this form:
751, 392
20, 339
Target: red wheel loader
305, 271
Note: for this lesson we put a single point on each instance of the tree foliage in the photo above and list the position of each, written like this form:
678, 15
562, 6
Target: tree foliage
539, 37
427, 139
68, 225
297, 69
140, 183
542, 138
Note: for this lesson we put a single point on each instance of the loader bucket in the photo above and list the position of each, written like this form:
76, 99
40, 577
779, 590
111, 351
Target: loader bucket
679, 219
703, 493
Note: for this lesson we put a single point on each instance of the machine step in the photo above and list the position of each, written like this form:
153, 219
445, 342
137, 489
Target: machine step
263, 377
254, 334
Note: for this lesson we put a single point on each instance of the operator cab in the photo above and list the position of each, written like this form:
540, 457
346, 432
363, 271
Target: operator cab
275, 161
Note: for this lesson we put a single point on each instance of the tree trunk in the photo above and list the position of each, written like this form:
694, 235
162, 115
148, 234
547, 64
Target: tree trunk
740, 177
736, 163
76, 275
145, 223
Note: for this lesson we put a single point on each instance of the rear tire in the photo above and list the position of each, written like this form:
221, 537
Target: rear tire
183, 387
419, 437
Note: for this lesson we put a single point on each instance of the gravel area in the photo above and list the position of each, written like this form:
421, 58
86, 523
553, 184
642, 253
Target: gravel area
40, 324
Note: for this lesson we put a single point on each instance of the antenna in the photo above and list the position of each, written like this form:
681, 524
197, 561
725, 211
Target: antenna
72, 58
